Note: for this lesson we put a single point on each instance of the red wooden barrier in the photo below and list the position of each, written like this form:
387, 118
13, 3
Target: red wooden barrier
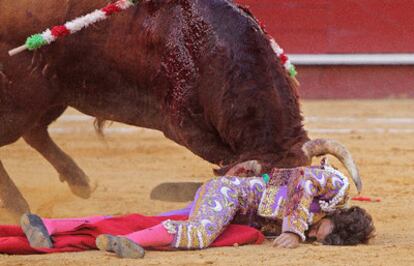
346, 26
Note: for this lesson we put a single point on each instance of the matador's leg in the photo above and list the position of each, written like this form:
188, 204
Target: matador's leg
217, 203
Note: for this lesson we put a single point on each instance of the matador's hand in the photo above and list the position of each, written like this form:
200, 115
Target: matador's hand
287, 240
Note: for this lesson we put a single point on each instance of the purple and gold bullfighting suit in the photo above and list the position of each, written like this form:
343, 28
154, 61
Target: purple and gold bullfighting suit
294, 198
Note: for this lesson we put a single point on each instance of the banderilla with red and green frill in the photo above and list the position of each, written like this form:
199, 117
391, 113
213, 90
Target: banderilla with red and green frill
50, 35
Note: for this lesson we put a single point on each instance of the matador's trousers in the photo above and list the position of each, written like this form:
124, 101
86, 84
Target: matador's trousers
217, 203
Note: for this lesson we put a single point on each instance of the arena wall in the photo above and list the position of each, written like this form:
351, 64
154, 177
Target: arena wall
380, 28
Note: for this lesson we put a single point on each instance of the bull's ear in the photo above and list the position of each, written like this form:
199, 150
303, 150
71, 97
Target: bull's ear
245, 169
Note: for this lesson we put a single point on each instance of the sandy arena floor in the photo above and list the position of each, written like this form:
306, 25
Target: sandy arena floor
129, 162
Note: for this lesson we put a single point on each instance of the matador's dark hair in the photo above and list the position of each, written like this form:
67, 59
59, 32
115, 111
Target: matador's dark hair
352, 226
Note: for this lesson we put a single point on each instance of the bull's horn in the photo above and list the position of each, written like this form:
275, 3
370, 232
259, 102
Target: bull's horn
319, 147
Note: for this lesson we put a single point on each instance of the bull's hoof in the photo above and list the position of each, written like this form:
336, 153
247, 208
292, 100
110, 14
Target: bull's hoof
35, 231
175, 192
84, 192
80, 187
122, 246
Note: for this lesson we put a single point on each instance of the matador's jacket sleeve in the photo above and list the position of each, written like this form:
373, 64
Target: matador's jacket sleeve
304, 186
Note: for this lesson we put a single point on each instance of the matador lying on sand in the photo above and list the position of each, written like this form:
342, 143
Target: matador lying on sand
304, 203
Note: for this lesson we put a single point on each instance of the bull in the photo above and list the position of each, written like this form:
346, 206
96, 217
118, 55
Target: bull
201, 71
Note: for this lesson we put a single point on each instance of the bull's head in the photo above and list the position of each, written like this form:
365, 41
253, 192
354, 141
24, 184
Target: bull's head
310, 149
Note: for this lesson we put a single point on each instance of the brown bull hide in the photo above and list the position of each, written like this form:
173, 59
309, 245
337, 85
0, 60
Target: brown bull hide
201, 71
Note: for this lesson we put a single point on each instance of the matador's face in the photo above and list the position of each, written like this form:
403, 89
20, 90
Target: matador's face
320, 230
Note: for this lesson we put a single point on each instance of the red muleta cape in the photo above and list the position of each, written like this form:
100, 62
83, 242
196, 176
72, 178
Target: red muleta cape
13, 240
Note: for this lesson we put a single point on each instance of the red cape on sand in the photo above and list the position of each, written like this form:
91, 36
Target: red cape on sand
13, 240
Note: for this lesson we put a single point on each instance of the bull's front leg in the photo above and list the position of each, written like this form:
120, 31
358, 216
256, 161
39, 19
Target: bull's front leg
39, 139
10, 197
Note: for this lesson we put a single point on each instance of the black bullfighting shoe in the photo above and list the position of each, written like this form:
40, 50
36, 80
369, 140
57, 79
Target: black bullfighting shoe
122, 246
35, 231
